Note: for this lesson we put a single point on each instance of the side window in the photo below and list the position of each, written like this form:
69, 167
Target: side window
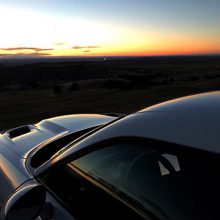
114, 179
91, 196
137, 181
134, 171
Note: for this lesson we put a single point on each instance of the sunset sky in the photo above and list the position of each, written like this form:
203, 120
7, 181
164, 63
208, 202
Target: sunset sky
109, 27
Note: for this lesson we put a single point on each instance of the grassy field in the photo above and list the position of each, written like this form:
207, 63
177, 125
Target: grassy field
28, 106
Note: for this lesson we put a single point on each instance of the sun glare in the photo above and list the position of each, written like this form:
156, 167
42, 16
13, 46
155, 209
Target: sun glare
30, 29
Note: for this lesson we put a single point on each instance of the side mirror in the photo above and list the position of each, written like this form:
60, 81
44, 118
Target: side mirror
26, 203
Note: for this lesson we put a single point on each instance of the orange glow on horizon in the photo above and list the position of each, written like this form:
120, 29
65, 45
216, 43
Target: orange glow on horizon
116, 51
64, 36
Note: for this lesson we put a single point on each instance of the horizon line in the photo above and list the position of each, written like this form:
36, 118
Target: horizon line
108, 56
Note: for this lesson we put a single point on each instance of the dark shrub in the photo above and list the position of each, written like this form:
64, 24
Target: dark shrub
57, 89
33, 84
171, 80
109, 84
74, 87
194, 78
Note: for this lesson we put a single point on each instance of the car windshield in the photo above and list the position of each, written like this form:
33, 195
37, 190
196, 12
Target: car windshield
53, 148
46, 150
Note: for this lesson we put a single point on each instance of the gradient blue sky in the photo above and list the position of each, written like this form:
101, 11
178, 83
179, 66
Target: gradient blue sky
166, 25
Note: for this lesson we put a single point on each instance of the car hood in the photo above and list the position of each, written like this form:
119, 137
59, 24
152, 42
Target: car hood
50, 128
14, 150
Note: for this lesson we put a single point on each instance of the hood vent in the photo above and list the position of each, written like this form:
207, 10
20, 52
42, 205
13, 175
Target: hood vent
16, 132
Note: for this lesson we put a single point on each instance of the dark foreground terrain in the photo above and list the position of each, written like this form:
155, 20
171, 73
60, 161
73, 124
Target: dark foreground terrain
31, 92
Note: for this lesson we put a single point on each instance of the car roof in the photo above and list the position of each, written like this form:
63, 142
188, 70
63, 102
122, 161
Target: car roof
204, 105
191, 121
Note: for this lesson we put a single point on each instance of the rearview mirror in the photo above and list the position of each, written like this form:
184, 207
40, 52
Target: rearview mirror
26, 203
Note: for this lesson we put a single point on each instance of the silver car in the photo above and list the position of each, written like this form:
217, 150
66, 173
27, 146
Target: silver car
158, 163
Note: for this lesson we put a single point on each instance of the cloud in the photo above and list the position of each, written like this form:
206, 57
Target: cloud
37, 49
86, 51
4, 54
60, 44
85, 47
34, 54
